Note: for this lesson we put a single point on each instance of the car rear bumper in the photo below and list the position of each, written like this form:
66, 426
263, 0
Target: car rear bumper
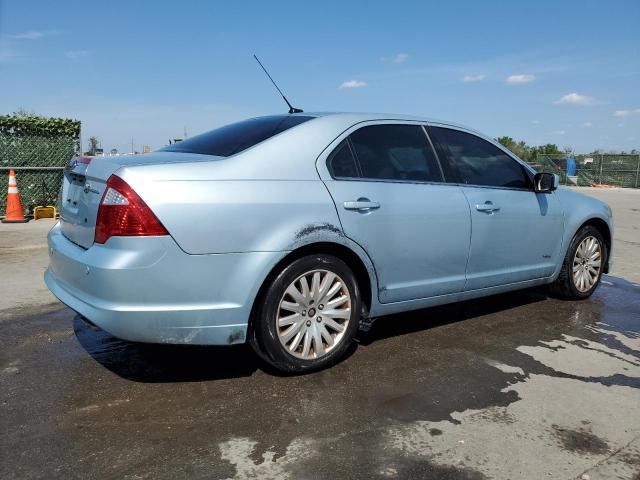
147, 289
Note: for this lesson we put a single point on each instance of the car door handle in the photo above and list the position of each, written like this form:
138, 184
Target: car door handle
361, 205
487, 207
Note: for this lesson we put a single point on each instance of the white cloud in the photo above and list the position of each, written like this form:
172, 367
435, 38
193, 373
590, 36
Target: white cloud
399, 58
627, 113
32, 34
587, 124
473, 78
10, 43
519, 79
559, 132
353, 84
76, 54
535, 122
575, 99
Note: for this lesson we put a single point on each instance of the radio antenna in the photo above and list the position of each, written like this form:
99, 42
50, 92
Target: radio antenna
292, 109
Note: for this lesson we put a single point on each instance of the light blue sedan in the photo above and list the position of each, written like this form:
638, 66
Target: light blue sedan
288, 231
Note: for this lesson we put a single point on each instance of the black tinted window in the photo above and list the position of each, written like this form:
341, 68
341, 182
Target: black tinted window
476, 162
231, 139
341, 162
395, 152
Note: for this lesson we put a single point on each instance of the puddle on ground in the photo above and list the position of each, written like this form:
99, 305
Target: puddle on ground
553, 417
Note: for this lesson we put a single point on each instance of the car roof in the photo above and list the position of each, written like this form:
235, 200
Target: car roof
357, 117
363, 115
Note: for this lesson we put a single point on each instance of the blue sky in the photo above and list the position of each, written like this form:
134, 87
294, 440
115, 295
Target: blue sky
546, 71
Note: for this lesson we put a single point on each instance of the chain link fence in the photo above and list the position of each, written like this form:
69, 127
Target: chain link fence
38, 162
594, 169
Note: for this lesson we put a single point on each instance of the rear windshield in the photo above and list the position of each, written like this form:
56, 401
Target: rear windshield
231, 139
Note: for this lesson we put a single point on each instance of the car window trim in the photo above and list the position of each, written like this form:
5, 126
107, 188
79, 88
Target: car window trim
384, 180
524, 168
355, 156
435, 153
426, 125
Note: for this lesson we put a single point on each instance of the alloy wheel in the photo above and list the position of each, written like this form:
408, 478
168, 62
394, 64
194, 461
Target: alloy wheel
313, 314
587, 263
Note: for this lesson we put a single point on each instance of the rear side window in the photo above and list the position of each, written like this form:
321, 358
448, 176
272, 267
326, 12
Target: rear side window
475, 161
341, 162
395, 152
236, 137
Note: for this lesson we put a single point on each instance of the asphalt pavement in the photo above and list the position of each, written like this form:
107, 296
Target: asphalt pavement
518, 385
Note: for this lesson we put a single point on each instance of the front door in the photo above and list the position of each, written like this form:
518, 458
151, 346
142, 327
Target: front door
515, 232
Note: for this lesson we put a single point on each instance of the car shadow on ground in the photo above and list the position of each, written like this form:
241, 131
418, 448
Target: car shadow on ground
152, 363
419, 320
156, 363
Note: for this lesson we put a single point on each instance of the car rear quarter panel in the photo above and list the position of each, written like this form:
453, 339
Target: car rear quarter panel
230, 216
263, 199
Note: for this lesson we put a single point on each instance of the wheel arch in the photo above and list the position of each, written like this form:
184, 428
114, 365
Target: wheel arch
364, 276
603, 227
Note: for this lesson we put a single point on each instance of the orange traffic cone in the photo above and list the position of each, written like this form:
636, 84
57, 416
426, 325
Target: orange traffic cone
15, 212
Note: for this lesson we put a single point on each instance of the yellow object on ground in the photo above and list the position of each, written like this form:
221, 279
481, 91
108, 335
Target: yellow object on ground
45, 212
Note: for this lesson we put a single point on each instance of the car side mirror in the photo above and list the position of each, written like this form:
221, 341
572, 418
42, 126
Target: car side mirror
545, 182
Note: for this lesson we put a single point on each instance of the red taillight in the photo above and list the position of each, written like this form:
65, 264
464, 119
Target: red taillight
123, 213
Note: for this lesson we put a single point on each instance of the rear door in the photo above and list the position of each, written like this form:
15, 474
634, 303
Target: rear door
390, 195
516, 232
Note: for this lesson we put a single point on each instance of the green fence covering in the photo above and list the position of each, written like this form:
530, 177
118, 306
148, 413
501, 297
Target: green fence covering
38, 148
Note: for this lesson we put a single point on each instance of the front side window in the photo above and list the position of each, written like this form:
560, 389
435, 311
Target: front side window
475, 161
395, 152
236, 137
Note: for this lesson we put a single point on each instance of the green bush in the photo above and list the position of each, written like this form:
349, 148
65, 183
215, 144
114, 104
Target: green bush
33, 141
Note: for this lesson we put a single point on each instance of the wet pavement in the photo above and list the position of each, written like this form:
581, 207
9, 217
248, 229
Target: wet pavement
513, 386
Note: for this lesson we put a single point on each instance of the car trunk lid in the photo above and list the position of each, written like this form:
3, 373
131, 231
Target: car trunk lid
84, 184
79, 201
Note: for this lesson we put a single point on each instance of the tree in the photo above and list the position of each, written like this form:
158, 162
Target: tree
506, 141
94, 143
529, 153
521, 149
548, 149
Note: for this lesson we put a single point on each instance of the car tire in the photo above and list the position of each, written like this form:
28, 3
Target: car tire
581, 264
292, 328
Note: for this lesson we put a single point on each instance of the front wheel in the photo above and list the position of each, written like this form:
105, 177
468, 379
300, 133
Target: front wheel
308, 316
583, 265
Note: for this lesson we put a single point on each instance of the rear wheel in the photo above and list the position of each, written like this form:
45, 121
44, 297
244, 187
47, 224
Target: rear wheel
308, 316
583, 265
